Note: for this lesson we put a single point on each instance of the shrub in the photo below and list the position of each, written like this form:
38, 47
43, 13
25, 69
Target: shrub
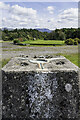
76, 40
16, 41
69, 41
79, 41
24, 39
20, 39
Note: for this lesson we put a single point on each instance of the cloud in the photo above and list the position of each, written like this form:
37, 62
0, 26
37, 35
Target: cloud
4, 6
68, 18
64, 19
69, 14
50, 9
19, 13
16, 9
16, 16
23, 15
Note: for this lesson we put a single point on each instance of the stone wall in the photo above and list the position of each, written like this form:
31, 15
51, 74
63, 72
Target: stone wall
40, 95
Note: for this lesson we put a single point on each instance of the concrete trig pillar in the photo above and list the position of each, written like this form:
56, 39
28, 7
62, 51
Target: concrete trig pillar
32, 92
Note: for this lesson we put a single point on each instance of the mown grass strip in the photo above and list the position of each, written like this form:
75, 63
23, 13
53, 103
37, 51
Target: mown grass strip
48, 42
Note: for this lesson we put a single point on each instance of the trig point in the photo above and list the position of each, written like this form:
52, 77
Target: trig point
40, 88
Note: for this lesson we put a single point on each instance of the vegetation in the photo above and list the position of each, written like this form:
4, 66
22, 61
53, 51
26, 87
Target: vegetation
69, 36
16, 41
4, 62
33, 34
22, 34
74, 58
71, 41
48, 42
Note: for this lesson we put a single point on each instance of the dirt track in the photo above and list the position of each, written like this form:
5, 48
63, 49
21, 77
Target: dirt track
9, 50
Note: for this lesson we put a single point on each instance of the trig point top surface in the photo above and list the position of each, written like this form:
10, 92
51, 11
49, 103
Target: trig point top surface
42, 64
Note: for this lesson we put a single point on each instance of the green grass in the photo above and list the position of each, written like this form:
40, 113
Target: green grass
44, 42
72, 57
1, 41
4, 62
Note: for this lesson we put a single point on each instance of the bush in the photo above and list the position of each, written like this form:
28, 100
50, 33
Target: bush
16, 41
79, 41
72, 41
69, 41
20, 39
24, 39
76, 41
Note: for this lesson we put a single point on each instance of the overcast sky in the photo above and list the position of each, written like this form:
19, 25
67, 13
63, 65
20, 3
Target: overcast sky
49, 15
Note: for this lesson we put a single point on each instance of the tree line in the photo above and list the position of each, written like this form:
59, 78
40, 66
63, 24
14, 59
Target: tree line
33, 34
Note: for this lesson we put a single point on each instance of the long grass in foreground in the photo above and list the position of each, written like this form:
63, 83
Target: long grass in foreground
4, 62
74, 58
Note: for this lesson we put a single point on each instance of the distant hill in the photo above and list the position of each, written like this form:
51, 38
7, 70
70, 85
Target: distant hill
39, 29
5, 28
43, 30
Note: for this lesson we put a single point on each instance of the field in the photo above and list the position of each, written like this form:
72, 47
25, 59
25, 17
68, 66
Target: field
9, 50
44, 42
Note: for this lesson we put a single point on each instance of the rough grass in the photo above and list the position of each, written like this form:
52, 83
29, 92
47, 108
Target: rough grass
74, 58
16, 49
4, 62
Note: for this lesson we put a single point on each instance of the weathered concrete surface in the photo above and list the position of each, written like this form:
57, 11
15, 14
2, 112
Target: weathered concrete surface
20, 64
29, 92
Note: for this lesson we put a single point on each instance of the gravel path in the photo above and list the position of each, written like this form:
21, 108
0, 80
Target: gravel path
9, 50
